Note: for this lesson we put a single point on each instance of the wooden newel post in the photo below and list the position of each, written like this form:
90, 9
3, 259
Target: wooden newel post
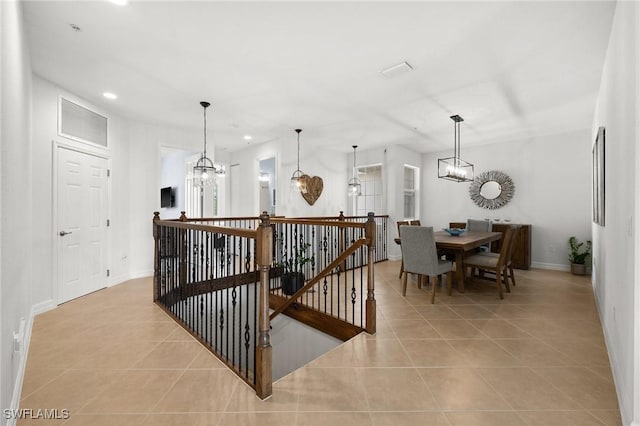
370, 234
342, 244
264, 240
156, 257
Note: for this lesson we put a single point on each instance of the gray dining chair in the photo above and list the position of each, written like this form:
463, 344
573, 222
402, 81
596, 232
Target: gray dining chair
420, 257
480, 226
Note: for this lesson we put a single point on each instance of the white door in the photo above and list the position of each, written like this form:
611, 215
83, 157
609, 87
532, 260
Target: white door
82, 224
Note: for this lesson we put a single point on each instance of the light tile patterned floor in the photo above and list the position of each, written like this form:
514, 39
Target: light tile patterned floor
535, 358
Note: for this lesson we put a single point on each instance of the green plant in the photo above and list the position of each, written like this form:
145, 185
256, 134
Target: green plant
294, 261
578, 252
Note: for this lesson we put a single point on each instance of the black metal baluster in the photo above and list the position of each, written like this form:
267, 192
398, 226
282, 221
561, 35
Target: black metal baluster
246, 334
233, 325
353, 288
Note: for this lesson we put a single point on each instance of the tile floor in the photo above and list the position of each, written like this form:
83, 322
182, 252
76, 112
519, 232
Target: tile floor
535, 358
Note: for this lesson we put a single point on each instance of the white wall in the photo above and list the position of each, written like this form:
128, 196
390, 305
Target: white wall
16, 259
172, 173
45, 140
327, 164
143, 187
393, 159
296, 344
552, 177
615, 271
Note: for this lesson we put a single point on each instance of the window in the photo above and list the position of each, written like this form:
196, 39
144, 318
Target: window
370, 199
410, 192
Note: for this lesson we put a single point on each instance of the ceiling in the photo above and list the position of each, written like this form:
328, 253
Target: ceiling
512, 70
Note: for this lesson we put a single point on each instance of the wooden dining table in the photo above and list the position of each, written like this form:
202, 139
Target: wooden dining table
462, 244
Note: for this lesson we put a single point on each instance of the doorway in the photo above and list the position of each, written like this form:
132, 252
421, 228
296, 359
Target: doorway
81, 230
267, 182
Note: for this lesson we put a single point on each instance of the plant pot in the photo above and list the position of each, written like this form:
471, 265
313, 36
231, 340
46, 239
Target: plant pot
292, 282
578, 269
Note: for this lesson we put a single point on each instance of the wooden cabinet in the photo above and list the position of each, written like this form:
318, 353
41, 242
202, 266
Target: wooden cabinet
522, 251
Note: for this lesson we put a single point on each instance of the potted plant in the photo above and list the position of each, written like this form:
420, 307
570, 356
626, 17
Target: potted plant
292, 276
578, 254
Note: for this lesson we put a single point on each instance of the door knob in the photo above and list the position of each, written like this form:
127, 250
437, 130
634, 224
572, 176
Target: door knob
62, 233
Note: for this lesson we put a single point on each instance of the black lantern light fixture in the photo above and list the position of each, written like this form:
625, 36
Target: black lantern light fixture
298, 182
455, 168
204, 171
354, 187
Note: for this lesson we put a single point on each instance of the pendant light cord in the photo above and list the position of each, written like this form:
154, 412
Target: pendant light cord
298, 131
205, 131
354, 161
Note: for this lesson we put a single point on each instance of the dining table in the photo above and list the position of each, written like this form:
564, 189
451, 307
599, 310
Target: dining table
461, 245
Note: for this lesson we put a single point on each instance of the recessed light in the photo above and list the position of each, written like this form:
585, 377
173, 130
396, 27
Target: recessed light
120, 2
247, 137
110, 95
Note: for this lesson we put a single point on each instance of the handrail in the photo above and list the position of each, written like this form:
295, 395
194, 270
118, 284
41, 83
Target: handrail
236, 232
340, 224
326, 271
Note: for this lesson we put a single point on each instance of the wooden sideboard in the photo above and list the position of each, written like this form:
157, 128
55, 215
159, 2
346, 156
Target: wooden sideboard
521, 257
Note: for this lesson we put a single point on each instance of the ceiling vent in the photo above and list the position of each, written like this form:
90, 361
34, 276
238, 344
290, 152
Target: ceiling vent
397, 70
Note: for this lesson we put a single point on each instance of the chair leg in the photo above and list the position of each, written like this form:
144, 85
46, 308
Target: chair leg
434, 284
404, 284
513, 277
419, 281
506, 280
449, 282
401, 269
499, 284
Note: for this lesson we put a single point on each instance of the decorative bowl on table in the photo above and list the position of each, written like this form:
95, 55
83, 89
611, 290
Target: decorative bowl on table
453, 231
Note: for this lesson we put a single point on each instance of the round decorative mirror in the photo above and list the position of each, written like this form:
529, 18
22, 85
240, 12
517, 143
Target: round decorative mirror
491, 190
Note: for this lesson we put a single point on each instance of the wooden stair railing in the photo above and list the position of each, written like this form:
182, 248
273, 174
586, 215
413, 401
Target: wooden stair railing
185, 275
281, 304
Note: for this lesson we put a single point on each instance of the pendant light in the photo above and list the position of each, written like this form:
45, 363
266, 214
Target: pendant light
298, 182
204, 171
455, 168
354, 184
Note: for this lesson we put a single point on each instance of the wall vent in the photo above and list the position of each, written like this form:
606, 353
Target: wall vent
81, 124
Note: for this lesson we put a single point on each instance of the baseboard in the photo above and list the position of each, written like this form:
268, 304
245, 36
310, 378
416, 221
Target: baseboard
551, 266
141, 274
36, 309
394, 257
132, 276
623, 398
42, 307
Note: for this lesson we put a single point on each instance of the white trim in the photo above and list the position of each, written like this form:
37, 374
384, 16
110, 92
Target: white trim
551, 266
120, 279
141, 274
26, 341
635, 408
623, 397
394, 257
42, 307
56, 145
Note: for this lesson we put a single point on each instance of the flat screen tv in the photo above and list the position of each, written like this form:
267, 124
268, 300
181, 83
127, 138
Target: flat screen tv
166, 197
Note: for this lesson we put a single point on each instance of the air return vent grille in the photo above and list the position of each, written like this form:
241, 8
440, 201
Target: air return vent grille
81, 124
